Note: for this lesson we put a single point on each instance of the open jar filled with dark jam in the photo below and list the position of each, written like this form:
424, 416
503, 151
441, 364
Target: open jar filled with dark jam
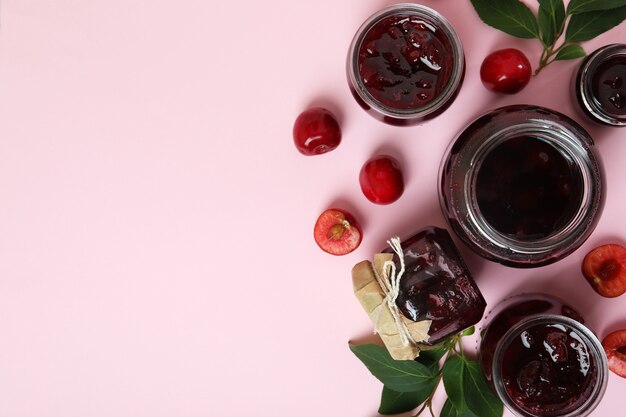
405, 64
522, 185
600, 85
541, 359
437, 285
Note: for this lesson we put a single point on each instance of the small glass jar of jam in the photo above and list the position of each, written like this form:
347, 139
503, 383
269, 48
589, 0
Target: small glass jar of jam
405, 64
437, 285
600, 85
541, 359
522, 185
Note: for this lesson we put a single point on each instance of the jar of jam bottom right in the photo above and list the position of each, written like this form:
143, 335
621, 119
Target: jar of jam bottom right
541, 360
600, 85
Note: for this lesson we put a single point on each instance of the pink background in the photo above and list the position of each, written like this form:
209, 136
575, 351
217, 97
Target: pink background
156, 249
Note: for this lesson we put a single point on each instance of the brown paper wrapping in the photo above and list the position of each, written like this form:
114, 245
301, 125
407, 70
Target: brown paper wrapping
372, 297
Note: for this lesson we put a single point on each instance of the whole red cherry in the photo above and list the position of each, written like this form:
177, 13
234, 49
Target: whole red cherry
316, 131
381, 179
505, 71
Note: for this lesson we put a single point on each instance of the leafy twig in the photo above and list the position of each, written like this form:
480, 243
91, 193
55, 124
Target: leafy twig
412, 384
559, 30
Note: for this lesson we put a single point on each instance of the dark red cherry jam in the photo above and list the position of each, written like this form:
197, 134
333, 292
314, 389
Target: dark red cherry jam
609, 85
541, 359
437, 285
527, 189
405, 64
405, 61
512, 311
522, 185
548, 370
600, 85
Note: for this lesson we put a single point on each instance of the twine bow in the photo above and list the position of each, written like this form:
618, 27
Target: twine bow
390, 284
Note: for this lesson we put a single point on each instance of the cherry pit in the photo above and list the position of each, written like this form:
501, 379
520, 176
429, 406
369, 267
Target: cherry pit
604, 268
337, 232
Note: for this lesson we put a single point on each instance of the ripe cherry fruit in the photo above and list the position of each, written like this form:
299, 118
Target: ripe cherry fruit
505, 71
605, 270
336, 232
615, 347
381, 179
316, 131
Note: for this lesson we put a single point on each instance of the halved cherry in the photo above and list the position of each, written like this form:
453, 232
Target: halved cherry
615, 347
605, 270
336, 232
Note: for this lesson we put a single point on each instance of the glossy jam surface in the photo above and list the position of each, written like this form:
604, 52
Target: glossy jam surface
437, 285
548, 370
527, 189
405, 61
516, 309
608, 85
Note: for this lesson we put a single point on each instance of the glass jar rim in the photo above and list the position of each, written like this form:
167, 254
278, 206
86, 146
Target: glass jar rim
565, 145
590, 339
459, 170
584, 83
456, 74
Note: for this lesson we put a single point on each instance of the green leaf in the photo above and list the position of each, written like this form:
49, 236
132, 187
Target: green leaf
401, 376
435, 354
448, 410
466, 413
393, 402
509, 16
570, 52
582, 6
469, 331
585, 26
467, 389
551, 18
431, 357
480, 399
453, 377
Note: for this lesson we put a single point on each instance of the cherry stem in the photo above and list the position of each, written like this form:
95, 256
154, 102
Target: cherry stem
549, 52
454, 347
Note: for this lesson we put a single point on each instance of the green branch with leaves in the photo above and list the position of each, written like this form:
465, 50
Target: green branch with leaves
559, 29
411, 385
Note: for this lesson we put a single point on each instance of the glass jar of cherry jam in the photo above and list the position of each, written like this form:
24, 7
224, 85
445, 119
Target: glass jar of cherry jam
541, 359
522, 185
600, 85
437, 285
405, 64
